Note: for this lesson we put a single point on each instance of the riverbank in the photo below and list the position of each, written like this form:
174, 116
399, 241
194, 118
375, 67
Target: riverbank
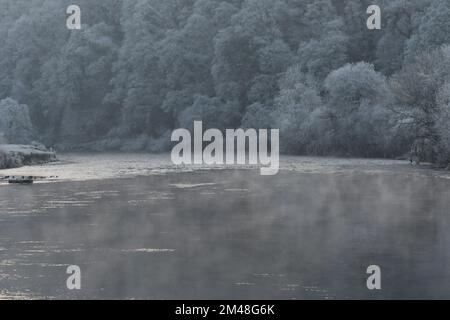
99, 166
15, 156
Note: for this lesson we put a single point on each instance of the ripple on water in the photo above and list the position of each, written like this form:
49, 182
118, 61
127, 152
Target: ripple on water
147, 250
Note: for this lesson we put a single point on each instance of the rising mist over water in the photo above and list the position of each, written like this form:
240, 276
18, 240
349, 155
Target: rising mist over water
309, 232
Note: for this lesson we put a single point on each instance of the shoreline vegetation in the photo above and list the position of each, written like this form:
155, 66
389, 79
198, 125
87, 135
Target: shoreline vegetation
14, 155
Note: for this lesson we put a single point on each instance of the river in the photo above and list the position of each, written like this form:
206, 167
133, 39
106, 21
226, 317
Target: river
141, 228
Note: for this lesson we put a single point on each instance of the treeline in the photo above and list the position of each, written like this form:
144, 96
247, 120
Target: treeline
140, 68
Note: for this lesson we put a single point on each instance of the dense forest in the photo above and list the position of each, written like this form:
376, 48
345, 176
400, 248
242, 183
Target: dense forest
138, 69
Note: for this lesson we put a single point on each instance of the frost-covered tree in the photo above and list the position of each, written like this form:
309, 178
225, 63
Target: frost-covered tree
361, 40
319, 57
433, 29
214, 112
251, 46
30, 41
137, 80
15, 123
295, 108
75, 83
416, 87
442, 125
358, 98
421, 96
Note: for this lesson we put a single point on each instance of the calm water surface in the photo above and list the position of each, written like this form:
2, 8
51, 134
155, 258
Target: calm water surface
139, 227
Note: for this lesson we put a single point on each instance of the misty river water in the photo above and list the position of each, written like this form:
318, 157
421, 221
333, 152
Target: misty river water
140, 228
